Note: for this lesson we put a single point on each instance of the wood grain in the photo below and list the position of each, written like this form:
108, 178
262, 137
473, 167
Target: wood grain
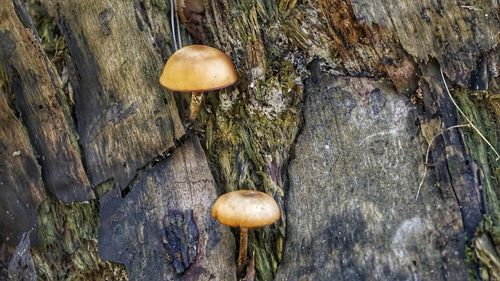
162, 229
351, 209
455, 33
38, 91
21, 186
125, 119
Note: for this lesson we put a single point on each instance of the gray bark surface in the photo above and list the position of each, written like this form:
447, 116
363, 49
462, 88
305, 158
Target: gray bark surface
351, 208
162, 230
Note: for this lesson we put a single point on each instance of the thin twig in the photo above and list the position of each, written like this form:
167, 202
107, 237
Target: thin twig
179, 37
427, 156
466, 118
474, 8
173, 14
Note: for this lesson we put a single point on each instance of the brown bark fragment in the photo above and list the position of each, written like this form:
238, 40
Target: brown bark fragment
454, 33
450, 161
162, 229
21, 186
125, 119
37, 88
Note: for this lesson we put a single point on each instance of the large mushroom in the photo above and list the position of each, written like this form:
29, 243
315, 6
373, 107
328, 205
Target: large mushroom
245, 209
197, 69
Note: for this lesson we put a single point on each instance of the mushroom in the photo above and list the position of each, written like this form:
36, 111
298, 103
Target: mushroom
245, 209
197, 69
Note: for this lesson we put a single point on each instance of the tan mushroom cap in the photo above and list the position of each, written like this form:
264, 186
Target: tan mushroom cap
245, 208
198, 68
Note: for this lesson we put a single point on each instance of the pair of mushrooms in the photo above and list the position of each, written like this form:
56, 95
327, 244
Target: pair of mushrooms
198, 69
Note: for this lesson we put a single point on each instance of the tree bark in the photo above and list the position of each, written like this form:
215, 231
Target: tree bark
339, 113
162, 229
37, 91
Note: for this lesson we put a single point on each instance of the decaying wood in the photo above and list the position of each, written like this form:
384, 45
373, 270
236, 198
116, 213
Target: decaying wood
354, 38
347, 198
351, 210
125, 119
38, 95
457, 35
21, 266
450, 161
162, 229
21, 186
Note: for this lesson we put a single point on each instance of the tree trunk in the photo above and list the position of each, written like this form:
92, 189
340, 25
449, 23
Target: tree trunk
341, 113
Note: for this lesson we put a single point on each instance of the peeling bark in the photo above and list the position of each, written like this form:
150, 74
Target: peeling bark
456, 34
359, 83
37, 90
21, 186
124, 117
162, 229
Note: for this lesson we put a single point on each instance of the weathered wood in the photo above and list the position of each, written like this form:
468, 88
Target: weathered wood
162, 229
21, 186
125, 119
354, 38
456, 34
351, 208
38, 93
21, 266
249, 132
250, 128
452, 165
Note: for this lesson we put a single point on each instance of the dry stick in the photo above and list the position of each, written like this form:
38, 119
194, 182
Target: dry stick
427, 156
466, 118
179, 37
172, 23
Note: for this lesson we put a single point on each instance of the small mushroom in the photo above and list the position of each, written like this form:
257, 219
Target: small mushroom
245, 209
197, 69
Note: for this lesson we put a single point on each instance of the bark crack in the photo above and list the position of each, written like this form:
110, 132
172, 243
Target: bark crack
152, 163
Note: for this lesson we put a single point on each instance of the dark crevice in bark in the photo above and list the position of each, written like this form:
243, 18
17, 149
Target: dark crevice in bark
161, 43
13, 84
312, 77
450, 164
16, 90
74, 70
152, 164
23, 15
64, 97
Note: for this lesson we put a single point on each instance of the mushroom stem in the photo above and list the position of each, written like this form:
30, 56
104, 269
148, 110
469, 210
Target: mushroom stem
195, 106
243, 245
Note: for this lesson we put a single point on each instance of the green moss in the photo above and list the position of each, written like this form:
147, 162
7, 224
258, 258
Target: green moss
250, 131
471, 260
67, 246
483, 112
249, 149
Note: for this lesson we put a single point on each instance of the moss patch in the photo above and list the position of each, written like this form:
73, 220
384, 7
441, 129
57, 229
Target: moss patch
483, 111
